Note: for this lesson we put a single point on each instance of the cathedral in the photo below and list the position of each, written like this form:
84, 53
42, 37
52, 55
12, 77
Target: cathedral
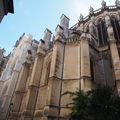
38, 73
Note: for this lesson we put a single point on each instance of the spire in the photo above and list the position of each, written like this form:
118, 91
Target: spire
103, 4
81, 17
91, 10
30, 36
47, 37
64, 21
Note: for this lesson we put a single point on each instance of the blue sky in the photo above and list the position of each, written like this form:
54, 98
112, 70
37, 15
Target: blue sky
33, 16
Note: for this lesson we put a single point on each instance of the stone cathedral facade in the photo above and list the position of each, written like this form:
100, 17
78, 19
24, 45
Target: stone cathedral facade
39, 73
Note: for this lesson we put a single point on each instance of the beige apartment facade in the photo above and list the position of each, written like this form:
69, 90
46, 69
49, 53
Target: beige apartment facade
79, 57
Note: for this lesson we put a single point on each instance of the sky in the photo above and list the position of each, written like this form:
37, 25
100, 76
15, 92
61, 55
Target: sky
34, 16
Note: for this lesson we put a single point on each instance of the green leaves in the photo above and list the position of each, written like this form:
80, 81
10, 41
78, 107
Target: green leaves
97, 104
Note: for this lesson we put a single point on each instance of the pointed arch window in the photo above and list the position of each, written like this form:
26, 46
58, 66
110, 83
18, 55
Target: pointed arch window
102, 32
87, 29
92, 69
116, 28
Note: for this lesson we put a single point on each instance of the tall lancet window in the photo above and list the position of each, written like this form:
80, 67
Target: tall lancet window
87, 29
116, 28
102, 33
92, 70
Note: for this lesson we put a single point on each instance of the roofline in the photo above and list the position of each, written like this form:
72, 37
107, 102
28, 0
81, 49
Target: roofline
96, 12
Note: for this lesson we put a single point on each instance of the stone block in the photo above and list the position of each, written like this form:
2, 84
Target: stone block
72, 62
68, 86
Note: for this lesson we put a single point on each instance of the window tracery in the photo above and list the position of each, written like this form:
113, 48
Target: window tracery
102, 33
116, 28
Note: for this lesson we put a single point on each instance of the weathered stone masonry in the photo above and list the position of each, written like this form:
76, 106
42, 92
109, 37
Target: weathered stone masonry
81, 57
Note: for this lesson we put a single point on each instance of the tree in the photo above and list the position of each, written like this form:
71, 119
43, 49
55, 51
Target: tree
79, 106
98, 104
103, 104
